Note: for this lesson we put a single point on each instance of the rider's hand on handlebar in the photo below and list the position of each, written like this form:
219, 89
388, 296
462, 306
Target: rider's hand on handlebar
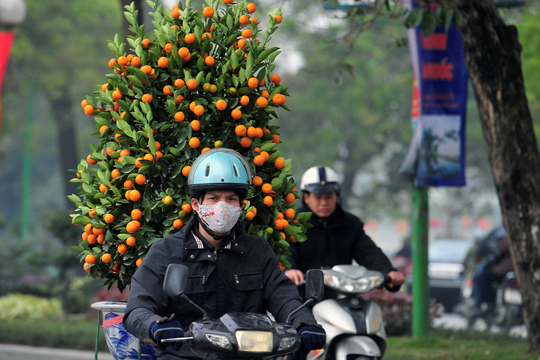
295, 275
313, 338
397, 279
167, 330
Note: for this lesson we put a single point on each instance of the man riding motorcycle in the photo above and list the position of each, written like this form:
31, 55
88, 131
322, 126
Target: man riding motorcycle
337, 237
229, 270
495, 261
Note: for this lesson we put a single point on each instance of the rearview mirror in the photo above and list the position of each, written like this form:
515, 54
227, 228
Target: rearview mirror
314, 284
175, 280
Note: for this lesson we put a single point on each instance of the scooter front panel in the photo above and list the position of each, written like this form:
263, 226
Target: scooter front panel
334, 318
356, 346
374, 320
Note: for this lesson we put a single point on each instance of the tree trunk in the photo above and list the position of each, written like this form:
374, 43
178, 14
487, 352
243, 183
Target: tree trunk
125, 24
492, 54
63, 115
347, 183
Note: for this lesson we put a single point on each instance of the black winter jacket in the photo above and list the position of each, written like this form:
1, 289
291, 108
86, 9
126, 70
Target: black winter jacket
338, 242
242, 276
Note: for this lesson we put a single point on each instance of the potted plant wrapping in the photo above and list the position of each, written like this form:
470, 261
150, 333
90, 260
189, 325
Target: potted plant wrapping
203, 80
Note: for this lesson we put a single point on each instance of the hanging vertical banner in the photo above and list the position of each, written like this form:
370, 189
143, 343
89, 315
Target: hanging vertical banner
438, 146
6, 39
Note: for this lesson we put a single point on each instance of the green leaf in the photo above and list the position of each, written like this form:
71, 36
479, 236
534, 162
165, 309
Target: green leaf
448, 19
249, 65
135, 80
272, 57
303, 217
87, 188
268, 146
127, 168
300, 237
187, 76
276, 183
177, 169
414, 18
74, 198
152, 143
263, 55
117, 40
113, 48
242, 76
126, 128
200, 64
230, 21
129, 17
459, 20
234, 60
199, 22
428, 23
291, 230
232, 38
283, 243
200, 77
115, 77
103, 178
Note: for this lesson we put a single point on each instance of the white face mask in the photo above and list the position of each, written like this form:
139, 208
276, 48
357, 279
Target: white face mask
220, 217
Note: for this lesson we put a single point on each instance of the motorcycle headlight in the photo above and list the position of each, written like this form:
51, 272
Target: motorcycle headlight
346, 284
254, 341
219, 340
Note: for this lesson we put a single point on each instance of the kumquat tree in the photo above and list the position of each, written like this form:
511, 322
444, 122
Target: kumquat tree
205, 80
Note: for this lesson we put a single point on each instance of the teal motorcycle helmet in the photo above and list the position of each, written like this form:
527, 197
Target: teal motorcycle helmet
219, 169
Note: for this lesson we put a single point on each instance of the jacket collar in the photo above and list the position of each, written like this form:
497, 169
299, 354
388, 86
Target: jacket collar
195, 241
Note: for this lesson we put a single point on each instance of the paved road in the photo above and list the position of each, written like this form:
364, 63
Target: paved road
18, 352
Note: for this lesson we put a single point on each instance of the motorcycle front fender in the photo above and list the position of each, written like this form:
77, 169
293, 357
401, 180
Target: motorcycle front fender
356, 345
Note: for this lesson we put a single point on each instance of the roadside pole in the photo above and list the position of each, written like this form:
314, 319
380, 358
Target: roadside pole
420, 288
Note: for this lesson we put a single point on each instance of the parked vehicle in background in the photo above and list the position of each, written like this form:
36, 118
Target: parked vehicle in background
446, 271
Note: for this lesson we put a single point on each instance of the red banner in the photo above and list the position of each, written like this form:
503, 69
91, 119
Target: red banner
6, 39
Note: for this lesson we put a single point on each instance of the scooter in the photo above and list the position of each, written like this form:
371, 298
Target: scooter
354, 327
239, 335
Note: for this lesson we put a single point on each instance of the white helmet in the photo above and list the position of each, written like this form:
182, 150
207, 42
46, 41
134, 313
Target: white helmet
320, 180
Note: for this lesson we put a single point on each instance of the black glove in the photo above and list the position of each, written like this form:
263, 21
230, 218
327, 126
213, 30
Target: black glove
313, 337
167, 330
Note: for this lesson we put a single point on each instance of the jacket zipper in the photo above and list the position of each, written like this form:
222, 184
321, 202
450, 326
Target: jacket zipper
236, 279
203, 279
216, 283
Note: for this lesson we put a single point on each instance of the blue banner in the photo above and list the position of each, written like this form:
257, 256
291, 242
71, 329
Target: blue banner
436, 156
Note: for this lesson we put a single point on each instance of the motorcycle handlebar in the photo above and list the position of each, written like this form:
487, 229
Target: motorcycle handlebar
187, 338
387, 280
